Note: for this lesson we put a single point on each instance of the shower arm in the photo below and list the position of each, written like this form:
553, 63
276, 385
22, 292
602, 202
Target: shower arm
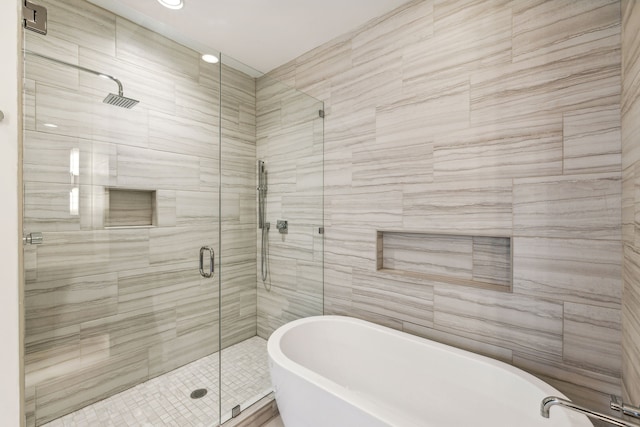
78, 67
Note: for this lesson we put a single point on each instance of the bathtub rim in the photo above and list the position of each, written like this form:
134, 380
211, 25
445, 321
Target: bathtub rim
277, 356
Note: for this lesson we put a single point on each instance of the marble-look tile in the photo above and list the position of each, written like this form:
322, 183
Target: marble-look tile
84, 115
356, 209
338, 282
592, 141
545, 29
177, 244
367, 85
30, 262
143, 169
85, 386
173, 134
298, 108
93, 206
536, 86
71, 112
442, 255
197, 102
577, 206
47, 158
323, 62
197, 208
160, 287
553, 368
417, 122
501, 353
141, 46
631, 322
101, 167
527, 324
28, 104
165, 208
630, 133
389, 33
394, 297
30, 406
208, 174
48, 72
515, 149
592, 337
82, 23
127, 332
572, 270
65, 255
51, 353
55, 304
479, 206
156, 89
492, 260
237, 85
46, 207
385, 164
462, 42
628, 205
173, 353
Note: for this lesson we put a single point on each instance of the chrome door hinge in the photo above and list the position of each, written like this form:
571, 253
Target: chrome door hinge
34, 17
33, 239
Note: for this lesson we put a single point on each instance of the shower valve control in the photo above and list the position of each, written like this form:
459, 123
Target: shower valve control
282, 226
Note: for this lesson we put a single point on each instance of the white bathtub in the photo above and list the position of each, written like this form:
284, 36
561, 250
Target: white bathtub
333, 371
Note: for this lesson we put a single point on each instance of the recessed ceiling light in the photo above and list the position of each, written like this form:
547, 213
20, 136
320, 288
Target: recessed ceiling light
211, 59
50, 125
172, 4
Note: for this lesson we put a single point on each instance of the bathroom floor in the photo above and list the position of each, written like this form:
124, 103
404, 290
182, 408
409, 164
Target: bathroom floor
166, 401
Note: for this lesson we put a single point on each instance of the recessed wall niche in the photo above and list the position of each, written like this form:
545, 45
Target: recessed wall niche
477, 261
129, 208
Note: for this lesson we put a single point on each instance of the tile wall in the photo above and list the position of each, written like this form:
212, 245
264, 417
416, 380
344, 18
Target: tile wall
631, 200
290, 142
489, 117
107, 308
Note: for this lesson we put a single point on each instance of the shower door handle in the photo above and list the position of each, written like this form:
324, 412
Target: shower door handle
211, 263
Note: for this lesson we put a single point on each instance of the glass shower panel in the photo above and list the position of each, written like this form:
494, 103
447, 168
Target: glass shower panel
124, 200
278, 130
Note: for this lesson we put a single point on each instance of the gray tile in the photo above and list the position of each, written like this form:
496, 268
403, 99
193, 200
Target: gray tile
592, 140
592, 337
573, 270
579, 206
527, 324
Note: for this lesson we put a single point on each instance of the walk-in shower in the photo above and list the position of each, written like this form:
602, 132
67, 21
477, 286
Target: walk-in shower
119, 322
262, 222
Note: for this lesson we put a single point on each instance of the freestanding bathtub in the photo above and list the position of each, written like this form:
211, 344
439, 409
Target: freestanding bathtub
333, 371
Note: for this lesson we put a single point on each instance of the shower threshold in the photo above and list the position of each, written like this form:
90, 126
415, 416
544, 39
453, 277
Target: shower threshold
166, 400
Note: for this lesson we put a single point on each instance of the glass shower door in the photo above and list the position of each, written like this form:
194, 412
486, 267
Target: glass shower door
265, 121
117, 205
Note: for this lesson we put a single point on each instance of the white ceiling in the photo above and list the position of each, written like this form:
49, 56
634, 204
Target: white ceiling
262, 34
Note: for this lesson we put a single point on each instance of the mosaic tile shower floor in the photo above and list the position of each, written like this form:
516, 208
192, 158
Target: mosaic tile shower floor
165, 400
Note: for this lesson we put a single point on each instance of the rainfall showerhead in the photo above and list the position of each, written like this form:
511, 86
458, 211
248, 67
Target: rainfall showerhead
120, 101
112, 99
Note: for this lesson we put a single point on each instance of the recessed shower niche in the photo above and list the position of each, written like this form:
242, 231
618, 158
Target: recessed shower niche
465, 260
129, 208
